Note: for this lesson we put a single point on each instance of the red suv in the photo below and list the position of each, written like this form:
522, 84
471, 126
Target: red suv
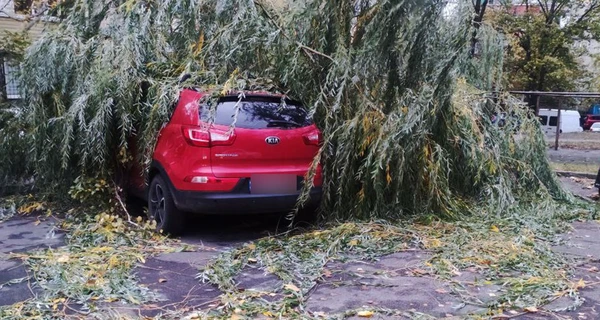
221, 163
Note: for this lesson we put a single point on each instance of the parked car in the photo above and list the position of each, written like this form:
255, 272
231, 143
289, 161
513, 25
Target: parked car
590, 120
595, 127
217, 162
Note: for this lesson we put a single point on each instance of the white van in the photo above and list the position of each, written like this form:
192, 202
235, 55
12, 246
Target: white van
569, 120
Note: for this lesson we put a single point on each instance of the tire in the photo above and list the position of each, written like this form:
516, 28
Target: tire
161, 208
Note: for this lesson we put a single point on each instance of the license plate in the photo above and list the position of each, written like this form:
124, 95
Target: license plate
273, 184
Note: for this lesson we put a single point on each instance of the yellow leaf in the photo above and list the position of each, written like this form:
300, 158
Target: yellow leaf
291, 287
101, 249
235, 317
494, 229
64, 258
252, 246
353, 242
365, 314
580, 284
37, 222
199, 44
432, 243
113, 261
268, 314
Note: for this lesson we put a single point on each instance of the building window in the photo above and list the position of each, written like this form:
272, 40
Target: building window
11, 74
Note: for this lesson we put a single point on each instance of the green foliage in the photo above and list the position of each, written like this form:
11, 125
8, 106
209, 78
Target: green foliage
14, 44
402, 136
541, 53
92, 192
14, 131
14, 148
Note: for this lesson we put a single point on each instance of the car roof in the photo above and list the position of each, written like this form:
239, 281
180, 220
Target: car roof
250, 94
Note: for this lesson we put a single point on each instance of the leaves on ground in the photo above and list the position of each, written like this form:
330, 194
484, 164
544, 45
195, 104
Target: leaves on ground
93, 268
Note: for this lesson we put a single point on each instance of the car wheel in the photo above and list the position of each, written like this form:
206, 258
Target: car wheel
162, 209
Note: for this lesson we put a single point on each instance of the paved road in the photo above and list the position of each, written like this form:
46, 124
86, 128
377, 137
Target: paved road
389, 282
19, 235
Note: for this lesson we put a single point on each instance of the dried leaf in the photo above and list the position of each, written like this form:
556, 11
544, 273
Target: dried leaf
162, 280
494, 229
252, 260
365, 314
292, 287
531, 309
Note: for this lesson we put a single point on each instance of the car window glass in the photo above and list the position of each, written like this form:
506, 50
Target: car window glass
553, 121
544, 120
257, 114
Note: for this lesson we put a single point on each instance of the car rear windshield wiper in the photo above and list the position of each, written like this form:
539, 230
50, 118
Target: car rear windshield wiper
283, 124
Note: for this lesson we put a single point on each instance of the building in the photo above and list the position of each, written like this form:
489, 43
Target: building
517, 7
34, 22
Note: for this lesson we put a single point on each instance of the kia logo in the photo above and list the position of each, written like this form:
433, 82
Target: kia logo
272, 140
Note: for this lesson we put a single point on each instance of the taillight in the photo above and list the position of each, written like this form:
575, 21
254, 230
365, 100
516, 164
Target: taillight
203, 137
313, 138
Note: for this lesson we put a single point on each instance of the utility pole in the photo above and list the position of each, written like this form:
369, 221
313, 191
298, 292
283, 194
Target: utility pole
560, 101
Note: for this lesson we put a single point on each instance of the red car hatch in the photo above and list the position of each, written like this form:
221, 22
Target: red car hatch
270, 136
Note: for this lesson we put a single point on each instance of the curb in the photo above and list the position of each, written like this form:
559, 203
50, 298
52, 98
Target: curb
586, 175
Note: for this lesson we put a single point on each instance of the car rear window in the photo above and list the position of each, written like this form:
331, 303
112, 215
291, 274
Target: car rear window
256, 113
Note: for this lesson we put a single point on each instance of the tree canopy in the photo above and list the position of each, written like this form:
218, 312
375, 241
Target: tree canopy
400, 101
544, 39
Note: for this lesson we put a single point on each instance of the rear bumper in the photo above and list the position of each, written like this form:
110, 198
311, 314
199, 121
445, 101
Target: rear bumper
240, 203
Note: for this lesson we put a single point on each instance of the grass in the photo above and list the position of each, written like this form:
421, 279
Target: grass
591, 168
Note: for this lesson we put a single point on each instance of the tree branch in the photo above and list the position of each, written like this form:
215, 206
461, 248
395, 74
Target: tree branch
307, 50
594, 5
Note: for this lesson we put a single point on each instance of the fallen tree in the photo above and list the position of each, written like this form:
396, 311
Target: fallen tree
402, 105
